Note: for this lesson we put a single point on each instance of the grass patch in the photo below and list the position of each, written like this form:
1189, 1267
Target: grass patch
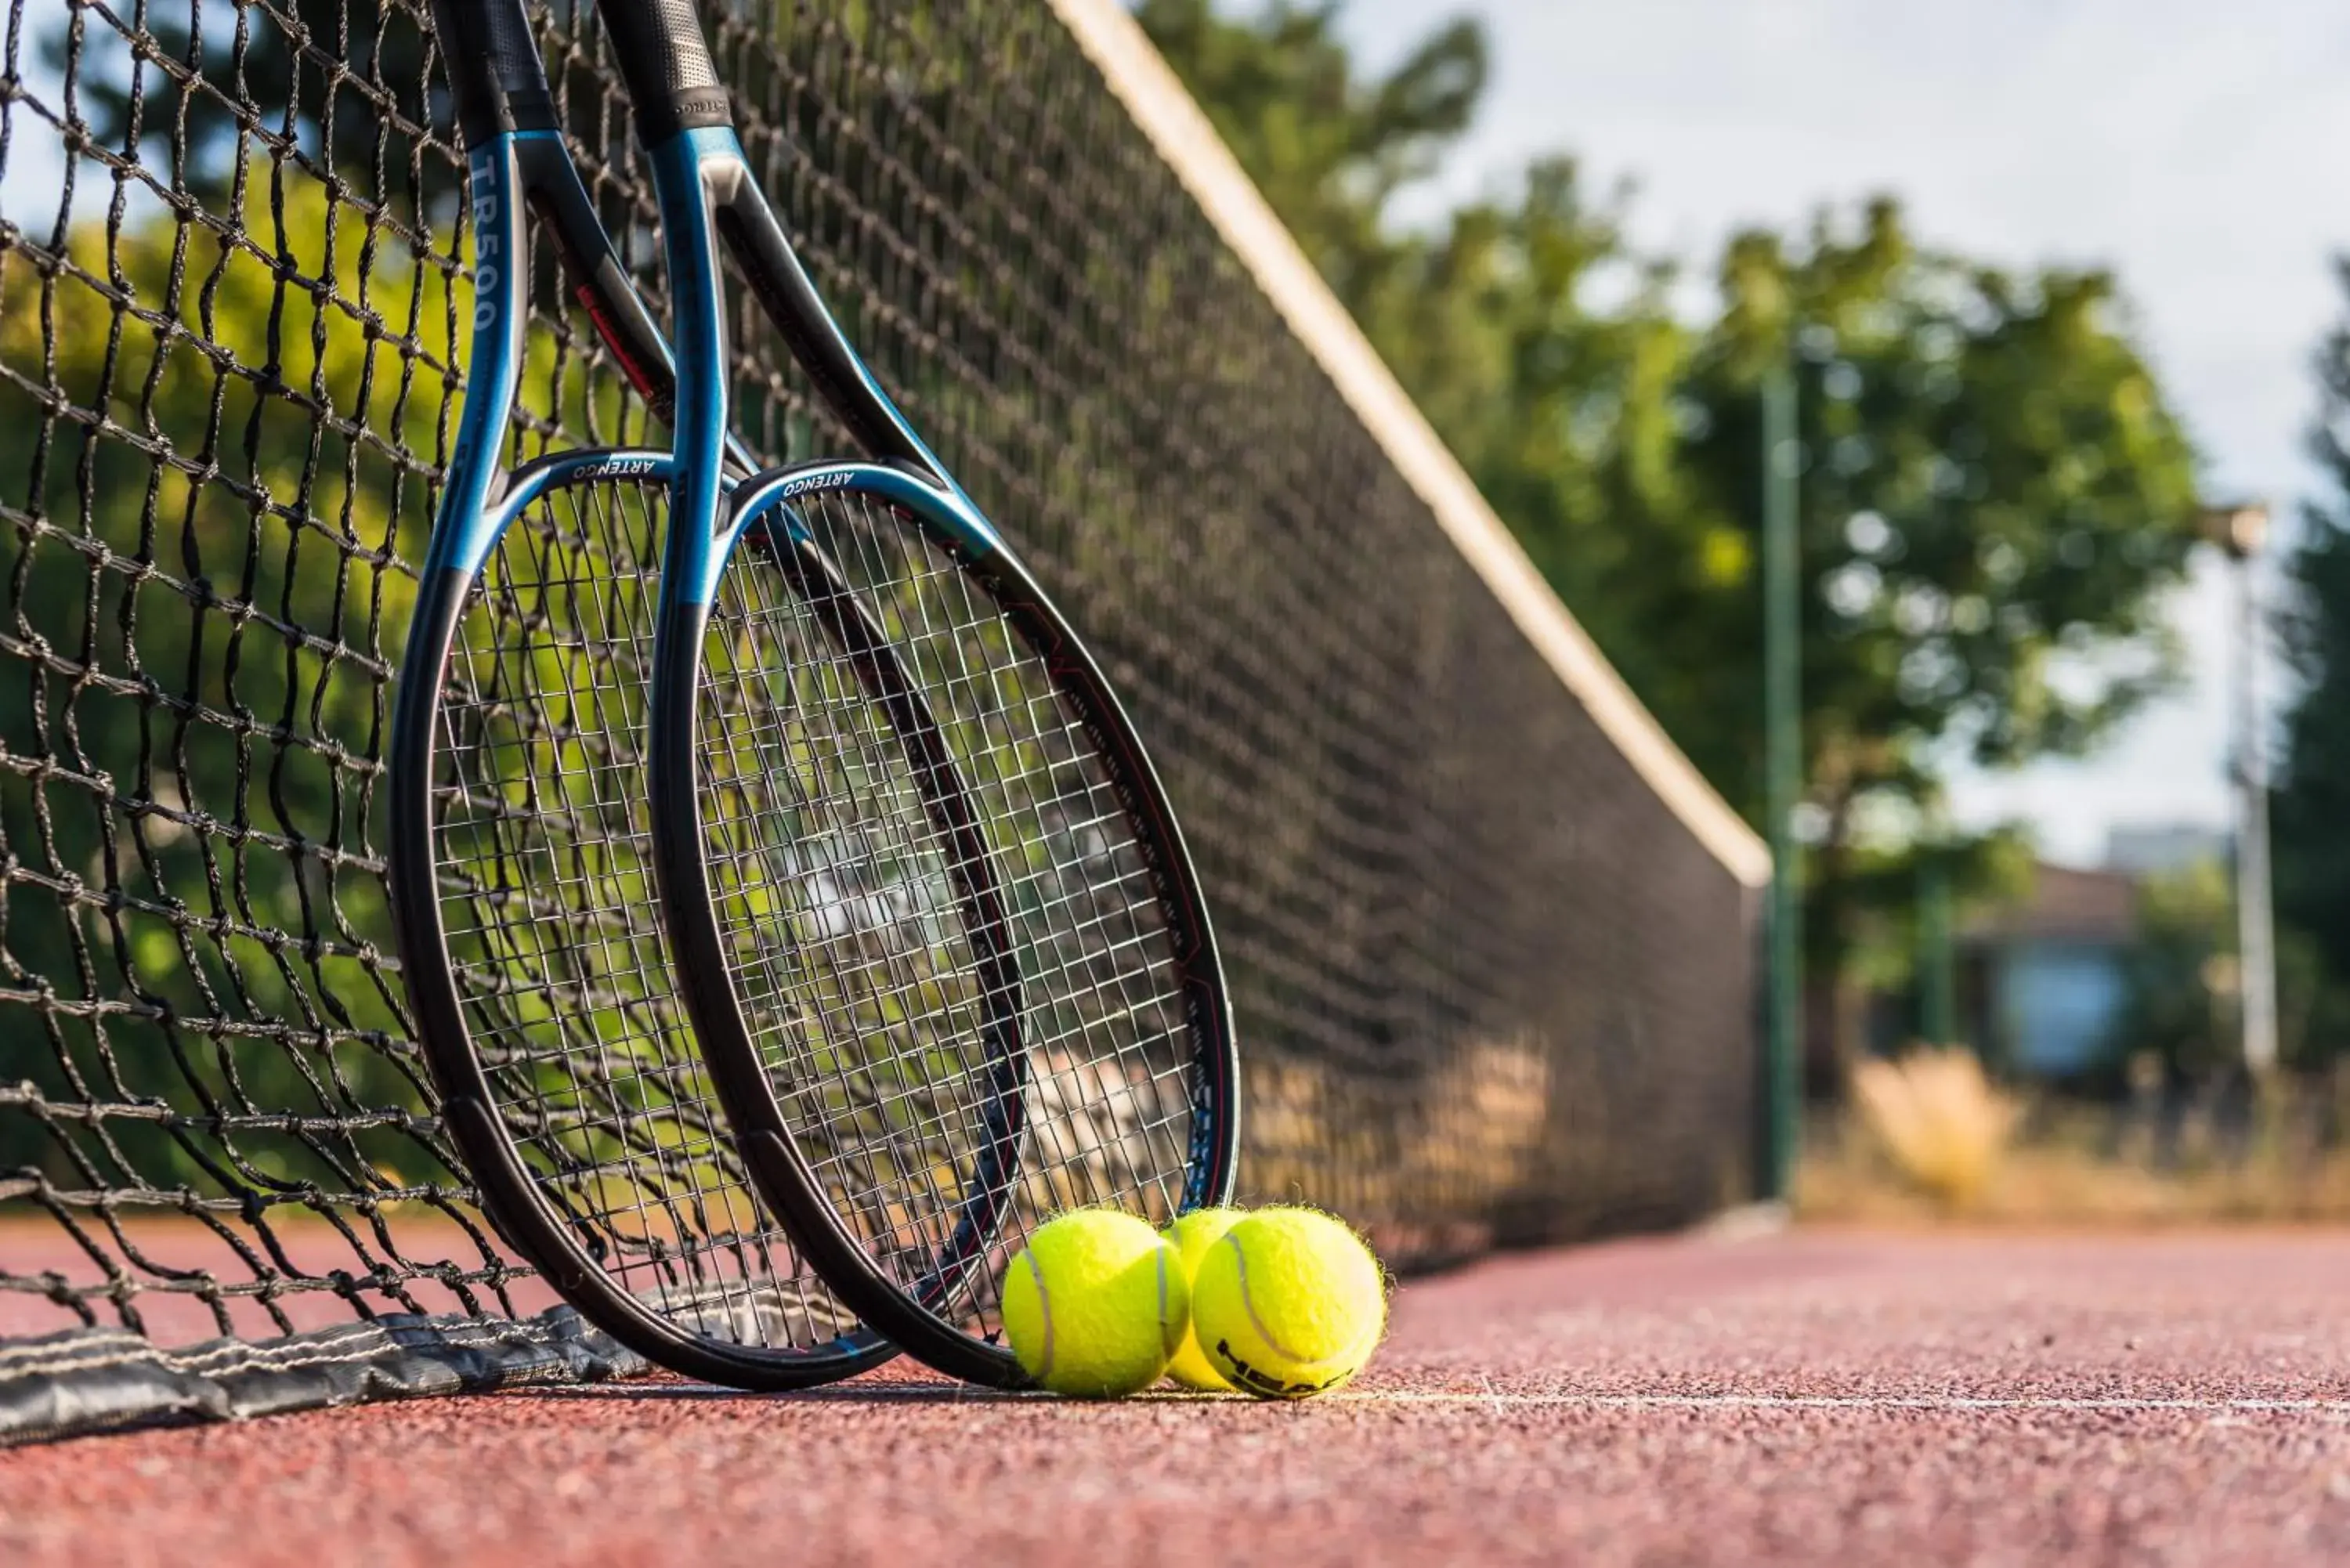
1929, 1138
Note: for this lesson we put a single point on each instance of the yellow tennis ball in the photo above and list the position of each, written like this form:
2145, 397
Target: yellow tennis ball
1095, 1305
1192, 1236
1289, 1303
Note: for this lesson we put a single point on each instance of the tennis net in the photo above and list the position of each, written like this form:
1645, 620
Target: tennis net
1489, 935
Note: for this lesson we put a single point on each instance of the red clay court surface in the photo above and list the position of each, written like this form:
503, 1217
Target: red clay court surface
1814, 1399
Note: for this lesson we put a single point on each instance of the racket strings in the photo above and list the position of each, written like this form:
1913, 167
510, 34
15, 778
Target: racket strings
850, 935
544, 866
838, 898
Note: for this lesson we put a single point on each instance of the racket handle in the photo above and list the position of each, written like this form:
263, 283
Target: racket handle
665, 59
494, 70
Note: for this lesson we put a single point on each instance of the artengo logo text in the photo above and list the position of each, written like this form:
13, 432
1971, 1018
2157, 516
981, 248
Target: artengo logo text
615, 468
813, 483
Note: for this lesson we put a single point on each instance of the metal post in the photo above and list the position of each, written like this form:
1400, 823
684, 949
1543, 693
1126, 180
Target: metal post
2255, 929
1938, 1012
1783, 778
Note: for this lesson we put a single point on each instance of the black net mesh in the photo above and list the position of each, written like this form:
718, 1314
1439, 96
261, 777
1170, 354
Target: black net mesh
541, 847
1489, 986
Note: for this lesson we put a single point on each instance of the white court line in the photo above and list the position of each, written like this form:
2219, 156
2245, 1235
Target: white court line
1956, 1404
1494, 1400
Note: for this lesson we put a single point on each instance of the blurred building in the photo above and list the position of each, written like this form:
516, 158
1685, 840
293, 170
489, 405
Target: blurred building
2170, 847
2046, 981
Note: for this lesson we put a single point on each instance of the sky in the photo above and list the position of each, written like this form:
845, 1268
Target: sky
2196, 148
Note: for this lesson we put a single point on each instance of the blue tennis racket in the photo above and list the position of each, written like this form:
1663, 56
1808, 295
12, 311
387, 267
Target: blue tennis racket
535, 962
939, 937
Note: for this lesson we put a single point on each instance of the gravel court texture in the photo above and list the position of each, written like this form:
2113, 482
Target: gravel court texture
1809, 1398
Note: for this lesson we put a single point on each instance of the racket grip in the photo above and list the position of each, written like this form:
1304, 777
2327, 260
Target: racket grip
495, 71
664, 58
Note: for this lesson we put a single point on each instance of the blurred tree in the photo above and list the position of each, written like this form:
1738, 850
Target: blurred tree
2183, 977
214, 460
1996, 487
2185, 1005
1995, 491
1533, 337
2310, 815
1330, 150
200, 557
219, 86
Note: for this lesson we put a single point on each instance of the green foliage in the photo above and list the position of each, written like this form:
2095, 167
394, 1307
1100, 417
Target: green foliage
2185, 986
1995, 484
1329, 149
203, 602
2310, 815
1995, 488
222, 540
1993, 495
358, 71
2183, 975
1885, 875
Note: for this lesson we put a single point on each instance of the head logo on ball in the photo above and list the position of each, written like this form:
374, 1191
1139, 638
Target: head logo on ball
1292, 1302
1243, 1377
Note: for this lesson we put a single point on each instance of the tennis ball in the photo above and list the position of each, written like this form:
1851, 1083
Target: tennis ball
1289, 1303
1192, 1236
1095, 1304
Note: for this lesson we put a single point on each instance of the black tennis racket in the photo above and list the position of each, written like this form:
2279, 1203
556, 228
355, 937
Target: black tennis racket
521, 877
942, 941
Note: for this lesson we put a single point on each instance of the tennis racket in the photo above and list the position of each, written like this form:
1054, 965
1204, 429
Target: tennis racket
521, 883
939, 937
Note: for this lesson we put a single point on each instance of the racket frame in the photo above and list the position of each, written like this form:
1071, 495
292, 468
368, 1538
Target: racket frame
708, 200
517, 164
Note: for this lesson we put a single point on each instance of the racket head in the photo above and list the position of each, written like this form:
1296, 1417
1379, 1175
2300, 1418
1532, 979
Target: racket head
850, 970
532, 952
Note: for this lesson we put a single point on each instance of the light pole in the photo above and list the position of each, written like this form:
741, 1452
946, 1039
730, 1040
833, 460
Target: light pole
2240, 530
1782, 742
